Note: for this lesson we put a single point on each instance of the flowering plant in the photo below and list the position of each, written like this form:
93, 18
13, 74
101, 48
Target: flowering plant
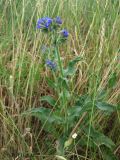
66, 110
59, 118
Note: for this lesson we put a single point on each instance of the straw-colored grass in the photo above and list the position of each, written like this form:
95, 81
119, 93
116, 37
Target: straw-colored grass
94, 27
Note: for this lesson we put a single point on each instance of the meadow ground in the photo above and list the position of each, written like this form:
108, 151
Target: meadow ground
94, 36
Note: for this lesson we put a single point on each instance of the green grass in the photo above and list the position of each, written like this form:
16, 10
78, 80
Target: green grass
94, 27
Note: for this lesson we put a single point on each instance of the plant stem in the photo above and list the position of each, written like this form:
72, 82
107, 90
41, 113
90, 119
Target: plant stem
59, 61
64, 103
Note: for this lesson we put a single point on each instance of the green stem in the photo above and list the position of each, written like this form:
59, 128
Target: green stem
64, 103
59, 61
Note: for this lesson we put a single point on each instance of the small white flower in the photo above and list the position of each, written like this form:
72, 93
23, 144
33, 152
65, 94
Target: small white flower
74, 135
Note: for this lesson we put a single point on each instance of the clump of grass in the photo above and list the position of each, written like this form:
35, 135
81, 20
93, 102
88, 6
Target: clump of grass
94, 35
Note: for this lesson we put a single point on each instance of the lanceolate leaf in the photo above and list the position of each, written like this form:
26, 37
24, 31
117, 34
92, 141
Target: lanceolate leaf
48, 99
51, 83
101, 95
45, 114
99, 138
107, 154
70, 70
113, 80
63, 83
106, 107
48, 118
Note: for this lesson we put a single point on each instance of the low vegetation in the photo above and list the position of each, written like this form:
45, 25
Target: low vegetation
60, 80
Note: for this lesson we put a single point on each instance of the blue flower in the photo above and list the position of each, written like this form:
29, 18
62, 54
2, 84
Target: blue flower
51, 64
58, 20
65, 33
44, 23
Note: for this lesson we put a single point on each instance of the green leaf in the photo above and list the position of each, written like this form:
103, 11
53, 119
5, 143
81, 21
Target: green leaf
48, 99
82, 105
48, 118
70, 70
41, 113
112, 80
107, 154
51, 120
99, 138
51, 83
45, 114
106, 107
85, 102
118, 106
74, 111
84, 142
101, 95
63, 83
51, 128
66, 94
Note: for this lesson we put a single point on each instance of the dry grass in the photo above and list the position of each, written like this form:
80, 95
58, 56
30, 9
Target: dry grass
94, 34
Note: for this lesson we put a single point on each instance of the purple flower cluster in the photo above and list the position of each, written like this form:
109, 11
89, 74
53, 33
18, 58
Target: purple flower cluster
65, 33
51, 64
58, 20
47, 23
44, 23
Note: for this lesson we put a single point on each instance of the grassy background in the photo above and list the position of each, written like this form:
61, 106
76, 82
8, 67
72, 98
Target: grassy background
94, 27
